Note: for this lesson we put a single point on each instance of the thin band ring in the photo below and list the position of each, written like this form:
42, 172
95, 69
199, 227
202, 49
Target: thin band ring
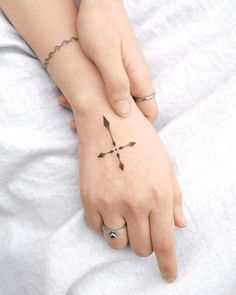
143, 98
113, 233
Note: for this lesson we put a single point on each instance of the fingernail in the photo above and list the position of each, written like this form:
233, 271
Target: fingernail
169, 279
122, 107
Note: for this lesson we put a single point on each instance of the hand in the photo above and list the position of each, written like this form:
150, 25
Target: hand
107, 38
145, 194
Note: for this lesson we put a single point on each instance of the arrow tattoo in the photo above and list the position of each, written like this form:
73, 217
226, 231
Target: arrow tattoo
106, 123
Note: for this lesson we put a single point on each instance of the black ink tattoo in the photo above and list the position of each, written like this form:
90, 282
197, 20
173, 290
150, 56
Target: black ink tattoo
131, 143
57, 48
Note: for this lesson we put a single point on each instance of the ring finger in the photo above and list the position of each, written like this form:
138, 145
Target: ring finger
139, 235
115, 221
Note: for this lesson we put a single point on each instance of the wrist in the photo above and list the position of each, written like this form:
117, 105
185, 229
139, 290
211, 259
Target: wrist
77, 78
88, 99
89, 120
86, 106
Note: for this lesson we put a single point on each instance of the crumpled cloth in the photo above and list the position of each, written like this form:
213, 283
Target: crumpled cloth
46, 247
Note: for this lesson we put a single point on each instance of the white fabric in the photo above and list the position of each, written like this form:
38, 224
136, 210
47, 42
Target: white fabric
46, 247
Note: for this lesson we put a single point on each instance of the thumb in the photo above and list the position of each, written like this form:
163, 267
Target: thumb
116, 81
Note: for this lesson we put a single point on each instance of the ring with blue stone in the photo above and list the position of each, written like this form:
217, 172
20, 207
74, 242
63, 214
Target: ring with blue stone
113, 233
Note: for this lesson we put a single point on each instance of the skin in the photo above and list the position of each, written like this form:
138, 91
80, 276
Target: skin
146, 194
116, 53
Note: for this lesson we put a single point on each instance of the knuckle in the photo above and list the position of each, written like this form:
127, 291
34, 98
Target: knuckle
107, 202
119, 85
142, 252
163, 198
163, 246
136, 206
156, 192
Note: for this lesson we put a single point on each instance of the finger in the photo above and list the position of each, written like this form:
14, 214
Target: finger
117, 87
115, 221
149, 109
163, 243
64, 102
73, 125
139, 235
179, 218
94, 219
139, 76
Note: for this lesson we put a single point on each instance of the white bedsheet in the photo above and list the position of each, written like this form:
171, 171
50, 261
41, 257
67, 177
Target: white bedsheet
46, 247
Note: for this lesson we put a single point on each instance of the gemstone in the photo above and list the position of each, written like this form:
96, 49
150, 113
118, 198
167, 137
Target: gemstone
112, 235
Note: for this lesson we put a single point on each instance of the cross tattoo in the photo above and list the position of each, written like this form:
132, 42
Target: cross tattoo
115, 149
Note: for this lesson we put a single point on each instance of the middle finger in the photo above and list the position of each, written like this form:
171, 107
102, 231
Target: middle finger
139, 234
163, 242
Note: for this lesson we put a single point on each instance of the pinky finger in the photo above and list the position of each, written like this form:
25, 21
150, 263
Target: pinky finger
179, 218
94, 220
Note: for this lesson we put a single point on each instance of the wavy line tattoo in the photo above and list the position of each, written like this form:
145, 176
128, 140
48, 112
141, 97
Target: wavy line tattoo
116, 149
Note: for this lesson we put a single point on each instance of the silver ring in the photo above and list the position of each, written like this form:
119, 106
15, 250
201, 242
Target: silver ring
142, 98
113, 233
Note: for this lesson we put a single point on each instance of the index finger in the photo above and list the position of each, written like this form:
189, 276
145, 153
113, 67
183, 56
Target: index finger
139, 75
163, 242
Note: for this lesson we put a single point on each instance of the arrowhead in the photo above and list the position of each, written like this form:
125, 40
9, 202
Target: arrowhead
105, 122
131, 143
101, 155
121, 166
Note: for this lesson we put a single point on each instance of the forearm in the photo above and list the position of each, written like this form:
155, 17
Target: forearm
45, 24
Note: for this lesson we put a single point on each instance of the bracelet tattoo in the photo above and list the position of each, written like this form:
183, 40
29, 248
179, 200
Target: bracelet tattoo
106, 123
57, 48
